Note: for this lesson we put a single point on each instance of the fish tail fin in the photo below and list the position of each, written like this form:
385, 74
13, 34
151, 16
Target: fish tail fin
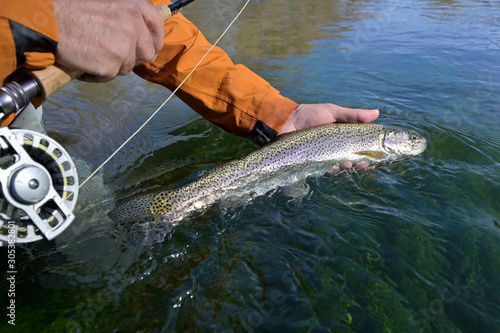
144, 208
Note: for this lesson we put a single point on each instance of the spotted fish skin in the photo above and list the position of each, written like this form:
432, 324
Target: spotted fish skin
327, 143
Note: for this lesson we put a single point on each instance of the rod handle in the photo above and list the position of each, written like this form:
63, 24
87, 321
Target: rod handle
164, 11
56, 76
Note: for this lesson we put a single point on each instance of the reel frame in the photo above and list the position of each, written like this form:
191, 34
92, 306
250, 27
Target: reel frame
38, 187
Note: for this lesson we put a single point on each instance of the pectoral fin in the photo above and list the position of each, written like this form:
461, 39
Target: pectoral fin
377, 155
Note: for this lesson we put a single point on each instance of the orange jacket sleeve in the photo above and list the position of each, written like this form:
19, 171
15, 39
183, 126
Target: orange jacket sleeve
28, 35
230, 96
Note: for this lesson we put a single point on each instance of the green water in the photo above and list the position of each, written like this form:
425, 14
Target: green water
412, 246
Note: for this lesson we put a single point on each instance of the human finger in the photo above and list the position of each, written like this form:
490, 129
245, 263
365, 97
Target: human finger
348, 115
155, 23
346, 165
349, 166
361, 165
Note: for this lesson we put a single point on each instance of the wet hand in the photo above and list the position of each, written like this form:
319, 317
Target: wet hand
107, 38
349, 166
309, 115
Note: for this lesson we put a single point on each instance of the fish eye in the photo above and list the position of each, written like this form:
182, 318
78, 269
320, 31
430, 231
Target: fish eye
413, 136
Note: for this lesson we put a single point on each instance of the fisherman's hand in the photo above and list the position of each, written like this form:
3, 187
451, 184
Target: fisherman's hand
107, 38
310, 115
349, 166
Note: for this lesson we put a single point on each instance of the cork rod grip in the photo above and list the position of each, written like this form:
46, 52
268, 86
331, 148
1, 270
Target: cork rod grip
55, 77
164, 11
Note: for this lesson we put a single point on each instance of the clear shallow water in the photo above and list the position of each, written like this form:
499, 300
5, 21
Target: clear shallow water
406, 247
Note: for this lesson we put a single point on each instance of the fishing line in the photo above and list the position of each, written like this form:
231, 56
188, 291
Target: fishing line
166, 101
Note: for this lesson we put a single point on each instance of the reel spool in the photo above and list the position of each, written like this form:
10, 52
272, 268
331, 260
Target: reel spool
38, 187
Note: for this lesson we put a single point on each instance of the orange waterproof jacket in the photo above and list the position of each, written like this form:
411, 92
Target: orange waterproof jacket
231, 96
28, 35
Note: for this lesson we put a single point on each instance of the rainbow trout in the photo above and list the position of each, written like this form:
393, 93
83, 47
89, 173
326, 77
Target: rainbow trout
297, 155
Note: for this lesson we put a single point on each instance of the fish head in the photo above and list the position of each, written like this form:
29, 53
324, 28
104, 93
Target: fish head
403, 142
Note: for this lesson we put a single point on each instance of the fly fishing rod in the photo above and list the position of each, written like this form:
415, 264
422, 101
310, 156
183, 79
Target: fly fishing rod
16, 95
178, 5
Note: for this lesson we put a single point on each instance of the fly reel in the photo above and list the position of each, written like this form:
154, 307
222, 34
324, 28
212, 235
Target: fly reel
38, 187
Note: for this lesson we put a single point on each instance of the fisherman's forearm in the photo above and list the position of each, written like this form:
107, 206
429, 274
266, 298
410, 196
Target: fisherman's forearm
231, 96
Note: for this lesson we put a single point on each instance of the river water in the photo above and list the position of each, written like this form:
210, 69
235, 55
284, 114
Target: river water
411, 246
